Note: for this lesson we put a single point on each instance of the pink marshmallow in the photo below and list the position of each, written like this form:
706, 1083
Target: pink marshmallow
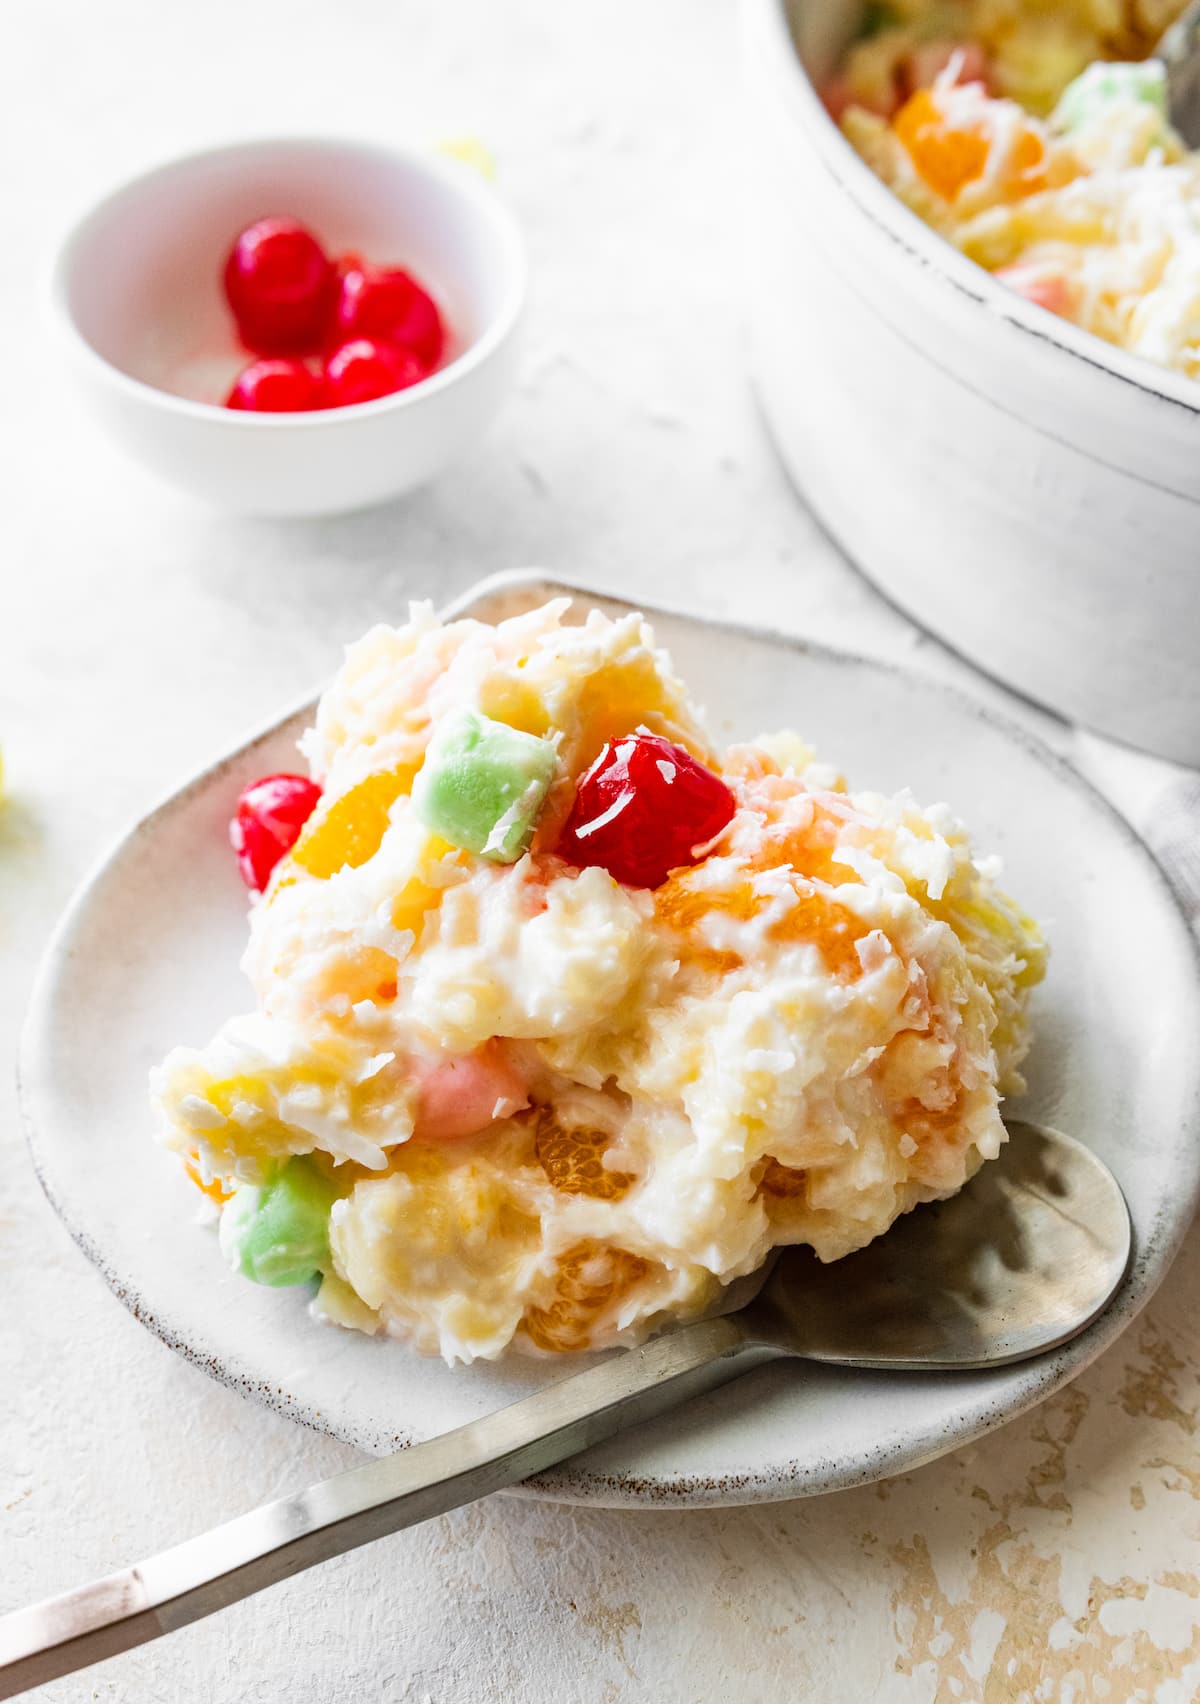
462, 1096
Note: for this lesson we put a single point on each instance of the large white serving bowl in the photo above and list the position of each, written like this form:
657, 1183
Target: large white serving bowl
136, 293
1025, 491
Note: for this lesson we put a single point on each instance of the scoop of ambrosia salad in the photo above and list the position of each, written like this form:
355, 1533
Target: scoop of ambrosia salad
566, 1018
1036, 139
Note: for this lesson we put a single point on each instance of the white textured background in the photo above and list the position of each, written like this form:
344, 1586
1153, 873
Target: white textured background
1056, 1561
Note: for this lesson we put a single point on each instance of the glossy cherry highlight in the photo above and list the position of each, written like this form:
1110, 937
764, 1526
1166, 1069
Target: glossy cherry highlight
364, 370
387, 304
643, 809
281, 286
267, 823
277, 386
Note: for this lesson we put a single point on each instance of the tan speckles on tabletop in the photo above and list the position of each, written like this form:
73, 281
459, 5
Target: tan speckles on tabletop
1152, 1382
1081, 1578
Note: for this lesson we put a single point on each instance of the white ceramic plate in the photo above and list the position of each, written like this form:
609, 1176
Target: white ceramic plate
147, 956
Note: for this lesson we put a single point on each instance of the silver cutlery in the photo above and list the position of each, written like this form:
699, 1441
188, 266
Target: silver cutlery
1023, 1259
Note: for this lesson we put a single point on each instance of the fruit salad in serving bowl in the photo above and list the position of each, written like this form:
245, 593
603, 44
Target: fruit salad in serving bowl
565, 1017
1038, 143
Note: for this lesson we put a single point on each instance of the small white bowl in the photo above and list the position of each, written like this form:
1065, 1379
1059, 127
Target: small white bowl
1028, 492
137, 291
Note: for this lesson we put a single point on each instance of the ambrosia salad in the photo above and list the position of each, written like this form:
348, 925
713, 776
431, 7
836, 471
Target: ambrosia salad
565, 1018
1035, 138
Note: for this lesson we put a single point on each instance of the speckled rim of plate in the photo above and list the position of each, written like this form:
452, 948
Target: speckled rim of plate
575, 1482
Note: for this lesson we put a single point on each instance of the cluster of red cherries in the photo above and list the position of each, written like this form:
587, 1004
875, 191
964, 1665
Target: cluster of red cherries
642, 810
326, 333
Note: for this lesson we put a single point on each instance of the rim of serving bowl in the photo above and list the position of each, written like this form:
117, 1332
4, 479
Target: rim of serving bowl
876, 201
454, 177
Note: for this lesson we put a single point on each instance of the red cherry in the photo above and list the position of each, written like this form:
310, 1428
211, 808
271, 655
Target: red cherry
270, 814
363, 370
281, 286
387, 303
277, 387
642, 809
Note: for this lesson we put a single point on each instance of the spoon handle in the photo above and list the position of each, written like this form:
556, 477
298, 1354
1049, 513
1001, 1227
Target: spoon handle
1179, 49
178, 1586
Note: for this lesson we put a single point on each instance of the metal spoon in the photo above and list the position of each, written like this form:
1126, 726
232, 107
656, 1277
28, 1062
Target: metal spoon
1022, 1260
1179, 50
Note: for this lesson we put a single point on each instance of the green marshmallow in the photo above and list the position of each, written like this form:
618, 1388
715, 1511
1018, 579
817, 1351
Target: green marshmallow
483, 784
278, 1232
1103, 85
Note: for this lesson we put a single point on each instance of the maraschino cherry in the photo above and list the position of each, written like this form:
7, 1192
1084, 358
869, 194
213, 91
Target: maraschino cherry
388, 305
643, 809
281, 286
277, 386
266, 825
364, 370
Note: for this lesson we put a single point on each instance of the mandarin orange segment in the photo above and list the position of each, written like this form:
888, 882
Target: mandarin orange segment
589, 1276
1028, 156
715, 962
810, 851
573, 1160
368, 973
682, 905
215, 1189
831, 927
947, 157
350, 830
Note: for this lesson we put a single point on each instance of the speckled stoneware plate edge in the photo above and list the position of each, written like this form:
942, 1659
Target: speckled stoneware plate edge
995, 1398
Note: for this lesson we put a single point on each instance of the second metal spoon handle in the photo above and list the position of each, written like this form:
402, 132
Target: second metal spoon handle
270, 1544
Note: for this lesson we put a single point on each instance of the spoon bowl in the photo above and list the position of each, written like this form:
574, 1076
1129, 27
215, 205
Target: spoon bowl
1025, 1257
1020, 1261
